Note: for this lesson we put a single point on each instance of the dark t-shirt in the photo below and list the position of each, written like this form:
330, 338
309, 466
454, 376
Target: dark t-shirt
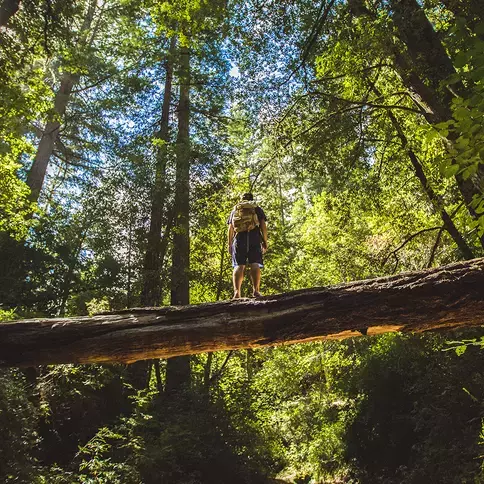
254, 234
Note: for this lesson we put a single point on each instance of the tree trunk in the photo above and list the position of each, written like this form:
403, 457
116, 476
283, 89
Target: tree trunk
129, 291
433, 198
159, 382
427, 54
178, 369
207, 370
443, 298
436, 203
36, 176
8, 8
426, 73
151, 292
424, 68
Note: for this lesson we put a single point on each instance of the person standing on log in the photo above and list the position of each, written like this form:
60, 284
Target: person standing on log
247, 236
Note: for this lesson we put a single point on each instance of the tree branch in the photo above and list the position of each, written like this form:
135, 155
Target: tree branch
406, 241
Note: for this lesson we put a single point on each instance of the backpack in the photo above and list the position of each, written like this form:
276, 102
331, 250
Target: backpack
245, 217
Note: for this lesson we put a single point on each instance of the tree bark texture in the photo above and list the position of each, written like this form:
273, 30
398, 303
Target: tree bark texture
178, 372
181, 236
444, 298
151, 293
8, 8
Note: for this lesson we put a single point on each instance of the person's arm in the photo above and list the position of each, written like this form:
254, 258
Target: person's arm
263, 229
230, 237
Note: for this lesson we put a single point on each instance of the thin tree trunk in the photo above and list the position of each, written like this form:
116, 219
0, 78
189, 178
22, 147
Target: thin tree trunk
36, 176
38, 170
424, 68
434, 199
72, 266
8, 8
130, 249
178, 369
151, 292
159, 383
207, 371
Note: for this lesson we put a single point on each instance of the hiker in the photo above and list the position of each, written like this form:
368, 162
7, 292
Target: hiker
247, 242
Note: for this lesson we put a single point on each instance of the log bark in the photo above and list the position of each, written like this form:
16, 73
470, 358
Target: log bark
444, 298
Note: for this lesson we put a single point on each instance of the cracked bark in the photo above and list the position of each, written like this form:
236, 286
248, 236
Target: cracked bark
444, 298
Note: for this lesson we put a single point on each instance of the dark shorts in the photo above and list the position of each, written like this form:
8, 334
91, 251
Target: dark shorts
246, 249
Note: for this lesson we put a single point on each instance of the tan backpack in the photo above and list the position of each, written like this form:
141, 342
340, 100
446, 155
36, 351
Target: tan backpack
245, 217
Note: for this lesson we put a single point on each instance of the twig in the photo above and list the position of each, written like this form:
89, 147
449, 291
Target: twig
316, 30
363, 103
217, 375
320, 80
434, 248
403, 244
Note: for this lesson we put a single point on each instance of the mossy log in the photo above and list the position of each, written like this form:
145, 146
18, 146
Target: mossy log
444, 298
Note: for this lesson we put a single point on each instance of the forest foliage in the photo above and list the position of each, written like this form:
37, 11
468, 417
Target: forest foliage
128, 131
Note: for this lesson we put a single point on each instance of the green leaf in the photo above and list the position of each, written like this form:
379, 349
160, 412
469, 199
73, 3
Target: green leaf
451, 171
461, 113
461, 59
479, 29
460, 350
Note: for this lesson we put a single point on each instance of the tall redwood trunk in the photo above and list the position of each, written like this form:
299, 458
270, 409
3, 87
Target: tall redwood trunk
151, 292
178, 369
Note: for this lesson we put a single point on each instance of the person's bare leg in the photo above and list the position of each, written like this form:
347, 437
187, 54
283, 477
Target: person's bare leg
255, 278
237, 278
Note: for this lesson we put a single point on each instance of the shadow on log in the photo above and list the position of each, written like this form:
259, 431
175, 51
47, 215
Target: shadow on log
438, 299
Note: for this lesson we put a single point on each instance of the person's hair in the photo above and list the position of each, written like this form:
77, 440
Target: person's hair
247, 196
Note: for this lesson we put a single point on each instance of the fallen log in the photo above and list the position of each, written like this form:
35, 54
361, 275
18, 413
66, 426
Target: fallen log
443, 298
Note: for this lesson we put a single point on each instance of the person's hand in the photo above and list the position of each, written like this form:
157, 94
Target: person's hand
264, 247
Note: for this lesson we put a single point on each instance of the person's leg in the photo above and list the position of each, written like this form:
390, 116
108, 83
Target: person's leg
238, 277
255, 278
